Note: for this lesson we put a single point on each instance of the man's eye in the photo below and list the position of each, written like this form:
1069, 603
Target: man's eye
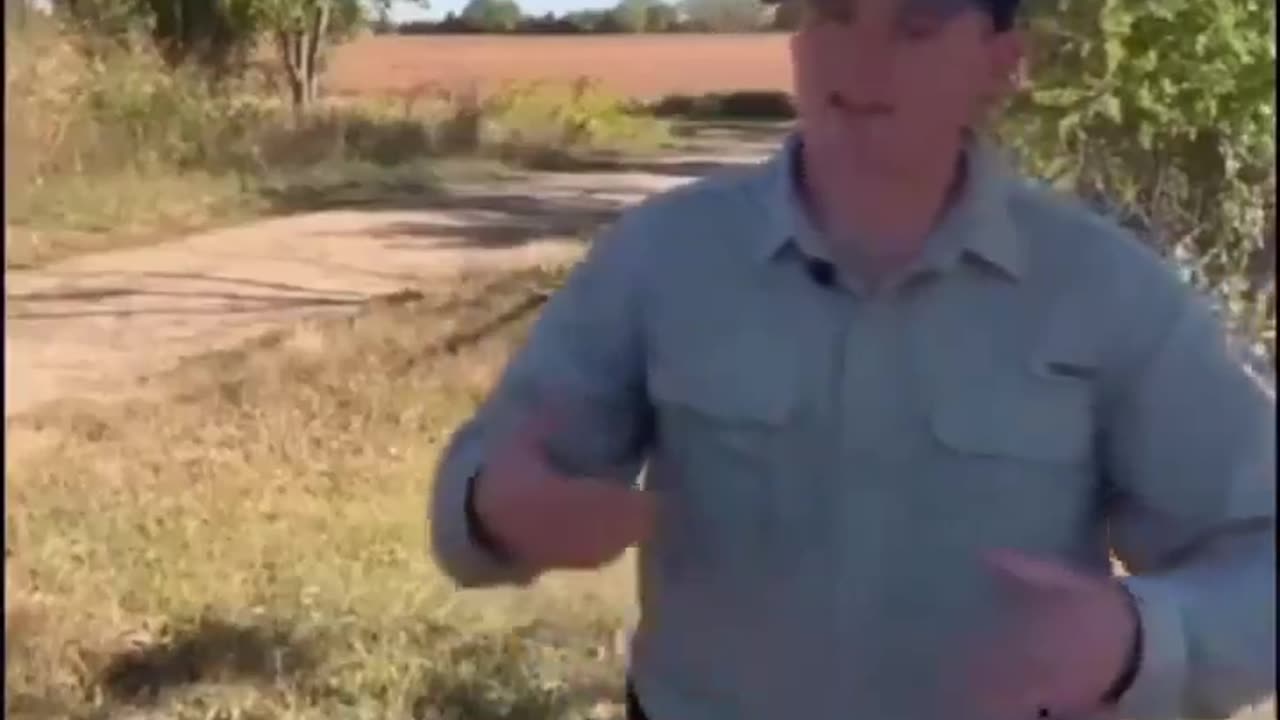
919, 29
829, 13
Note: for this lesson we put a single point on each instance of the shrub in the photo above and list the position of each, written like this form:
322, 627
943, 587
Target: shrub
125, 109
525, 120
118, 108
1162, 113
94, 128
742, 105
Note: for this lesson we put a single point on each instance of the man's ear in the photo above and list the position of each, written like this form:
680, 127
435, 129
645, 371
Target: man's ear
1008, 62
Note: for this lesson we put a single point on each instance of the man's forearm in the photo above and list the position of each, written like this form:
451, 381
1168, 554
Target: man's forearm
1208, 631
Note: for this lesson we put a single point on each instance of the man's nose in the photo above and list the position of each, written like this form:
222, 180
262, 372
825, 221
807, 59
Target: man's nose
868, 82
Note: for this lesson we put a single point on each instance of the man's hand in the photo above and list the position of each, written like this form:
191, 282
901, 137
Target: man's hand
1069, 641
549, 521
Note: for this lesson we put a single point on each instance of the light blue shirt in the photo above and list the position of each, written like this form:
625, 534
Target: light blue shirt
832, 461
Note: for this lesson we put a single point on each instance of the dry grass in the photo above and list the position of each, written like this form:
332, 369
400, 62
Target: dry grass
638, 66
117, 149
252, 546
77, 217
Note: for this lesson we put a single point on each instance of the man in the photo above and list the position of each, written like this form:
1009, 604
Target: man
896, 407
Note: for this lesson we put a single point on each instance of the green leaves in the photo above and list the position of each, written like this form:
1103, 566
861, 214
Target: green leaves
725, 15
492, 15
1167, 109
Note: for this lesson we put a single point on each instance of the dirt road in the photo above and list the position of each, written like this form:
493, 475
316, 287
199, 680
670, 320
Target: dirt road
95, 325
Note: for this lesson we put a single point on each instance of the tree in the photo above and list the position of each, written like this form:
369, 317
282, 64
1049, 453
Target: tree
638, 16
661, 18
215, 35
209, 32
302, 30
786, 15
631, 15
496, 16
585, 20
109, 20
725, 16
611, 21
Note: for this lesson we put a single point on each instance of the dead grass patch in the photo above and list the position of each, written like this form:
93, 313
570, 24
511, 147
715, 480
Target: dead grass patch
251, 545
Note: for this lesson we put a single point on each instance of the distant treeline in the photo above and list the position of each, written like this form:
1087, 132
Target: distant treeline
629, 16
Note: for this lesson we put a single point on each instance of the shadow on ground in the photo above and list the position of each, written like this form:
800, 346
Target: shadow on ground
213, 650
536, 672
671, 168
499, 220
403, 212
713, 145
241, 296
700, 148
409, 187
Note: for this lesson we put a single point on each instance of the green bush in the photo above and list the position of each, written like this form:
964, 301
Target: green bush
1162, 113
525, 120
741, 105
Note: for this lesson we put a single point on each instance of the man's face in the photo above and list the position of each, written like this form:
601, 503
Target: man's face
888, 84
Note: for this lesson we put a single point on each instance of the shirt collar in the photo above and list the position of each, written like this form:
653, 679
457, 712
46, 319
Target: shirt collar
978, 224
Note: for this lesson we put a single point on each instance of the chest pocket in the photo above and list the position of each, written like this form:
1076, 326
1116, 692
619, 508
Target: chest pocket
1040, 414
725, 423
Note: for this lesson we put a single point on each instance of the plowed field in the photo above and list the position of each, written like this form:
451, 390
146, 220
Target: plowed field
640, 66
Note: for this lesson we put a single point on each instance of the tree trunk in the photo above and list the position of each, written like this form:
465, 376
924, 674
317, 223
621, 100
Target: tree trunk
317, 30
300, 49
287, 44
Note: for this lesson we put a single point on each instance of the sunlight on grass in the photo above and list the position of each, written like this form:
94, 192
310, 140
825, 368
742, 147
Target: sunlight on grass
254, 545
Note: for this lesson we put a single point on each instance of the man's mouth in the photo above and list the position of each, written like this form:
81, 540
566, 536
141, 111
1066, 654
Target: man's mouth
860, 110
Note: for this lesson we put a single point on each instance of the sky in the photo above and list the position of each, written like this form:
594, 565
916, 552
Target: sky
403, 11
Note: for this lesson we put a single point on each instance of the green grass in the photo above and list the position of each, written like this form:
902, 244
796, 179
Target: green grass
251, 544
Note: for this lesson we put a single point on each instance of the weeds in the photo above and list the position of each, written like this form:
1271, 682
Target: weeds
253, 545
113, 147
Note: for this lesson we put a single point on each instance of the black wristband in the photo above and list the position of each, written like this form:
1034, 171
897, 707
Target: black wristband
1130, 673
476, 530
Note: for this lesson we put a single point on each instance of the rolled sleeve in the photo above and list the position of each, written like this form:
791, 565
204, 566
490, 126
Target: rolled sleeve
452, 538
583, 365
1190, 451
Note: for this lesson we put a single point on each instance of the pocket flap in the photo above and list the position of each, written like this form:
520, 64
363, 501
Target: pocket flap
1035, 422
726, 385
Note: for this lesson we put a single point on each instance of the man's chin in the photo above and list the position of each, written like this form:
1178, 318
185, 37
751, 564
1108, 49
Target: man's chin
861, 153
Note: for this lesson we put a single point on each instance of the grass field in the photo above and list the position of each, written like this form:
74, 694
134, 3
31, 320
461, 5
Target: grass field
645, 67
254, 546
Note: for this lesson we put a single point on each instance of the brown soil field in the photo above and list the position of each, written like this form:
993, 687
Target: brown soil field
639, 66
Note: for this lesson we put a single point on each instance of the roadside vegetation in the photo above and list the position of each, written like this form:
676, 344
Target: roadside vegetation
108, 143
